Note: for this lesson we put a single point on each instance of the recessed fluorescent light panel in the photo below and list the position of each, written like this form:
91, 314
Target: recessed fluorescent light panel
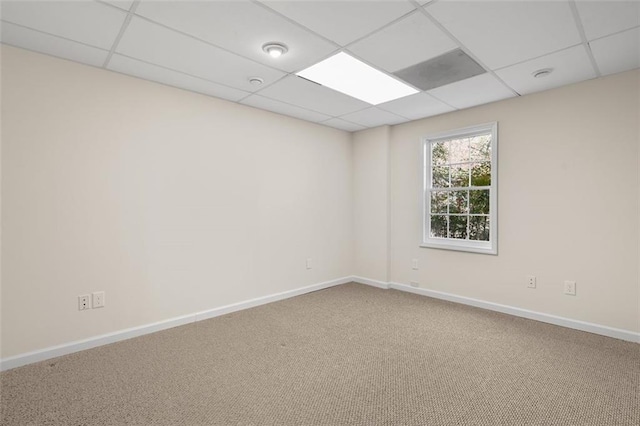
352, 77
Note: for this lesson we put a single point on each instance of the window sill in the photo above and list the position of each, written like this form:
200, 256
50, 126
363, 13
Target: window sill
459, 246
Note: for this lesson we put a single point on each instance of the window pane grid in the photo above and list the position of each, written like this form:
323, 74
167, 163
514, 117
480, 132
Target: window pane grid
459, 187
463, 227
463, 214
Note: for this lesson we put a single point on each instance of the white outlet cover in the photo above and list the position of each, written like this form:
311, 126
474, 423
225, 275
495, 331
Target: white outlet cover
98, 299
84, 302
414, 264
309, 263
531, 281
570, 288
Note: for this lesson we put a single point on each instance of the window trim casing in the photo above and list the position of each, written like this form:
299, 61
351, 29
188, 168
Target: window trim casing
490, 247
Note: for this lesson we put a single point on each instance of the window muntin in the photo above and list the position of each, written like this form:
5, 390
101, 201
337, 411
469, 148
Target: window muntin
459, 193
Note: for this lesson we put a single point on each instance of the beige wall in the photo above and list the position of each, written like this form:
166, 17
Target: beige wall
1, 206
174, 203
371, 203
568, 204
170, 201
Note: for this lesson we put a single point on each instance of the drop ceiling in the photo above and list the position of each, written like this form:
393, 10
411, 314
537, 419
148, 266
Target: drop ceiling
214, 47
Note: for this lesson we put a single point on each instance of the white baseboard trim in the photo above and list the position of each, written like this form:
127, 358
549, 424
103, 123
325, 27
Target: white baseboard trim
603, 330
105, 339
223, 310
369, 281
79, 345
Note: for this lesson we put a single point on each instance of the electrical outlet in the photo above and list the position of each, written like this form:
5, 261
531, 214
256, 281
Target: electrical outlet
414, 284
570, 288
83, 302
414, 264
98, 299
531, 281
309, 263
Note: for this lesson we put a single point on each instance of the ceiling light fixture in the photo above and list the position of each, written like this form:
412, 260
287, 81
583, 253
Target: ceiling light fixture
542, 73
255, 81
352, 77
275, 50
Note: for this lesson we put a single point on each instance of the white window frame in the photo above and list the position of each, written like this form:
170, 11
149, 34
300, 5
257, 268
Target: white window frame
485, 247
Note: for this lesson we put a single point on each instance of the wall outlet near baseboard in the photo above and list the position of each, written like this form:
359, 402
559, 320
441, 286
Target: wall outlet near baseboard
414, 283
83, 302
98, 299
570, 288
531, 281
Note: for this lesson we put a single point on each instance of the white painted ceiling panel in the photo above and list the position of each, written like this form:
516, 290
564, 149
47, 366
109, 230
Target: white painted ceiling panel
173, 78
411, 40
416, 106
481, 89
502, 33
241, 27
343, 125
342, 21
617, 53
373, 117
569, 66
25, 38
602, 18
308, 95
158, 45
283, 108
91, 23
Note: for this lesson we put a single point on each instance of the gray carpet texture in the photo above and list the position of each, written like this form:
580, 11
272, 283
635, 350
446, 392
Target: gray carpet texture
347, 355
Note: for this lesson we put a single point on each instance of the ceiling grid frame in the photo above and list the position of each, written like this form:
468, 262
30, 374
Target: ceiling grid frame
125, 24
53, 35
583, 36
34, 24
462, 46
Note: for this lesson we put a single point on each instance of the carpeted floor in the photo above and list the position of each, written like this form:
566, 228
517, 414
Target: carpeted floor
348, 355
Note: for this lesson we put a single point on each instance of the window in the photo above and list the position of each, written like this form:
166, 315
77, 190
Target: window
460, 190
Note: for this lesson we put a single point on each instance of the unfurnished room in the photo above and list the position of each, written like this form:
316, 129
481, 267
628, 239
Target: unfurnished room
320, 212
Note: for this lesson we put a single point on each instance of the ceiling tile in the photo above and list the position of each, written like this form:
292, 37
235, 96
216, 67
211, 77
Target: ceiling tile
502, 33
87, 22
416, 106
122, 4
617, 53
282, 108
305, 94
343, 125
172, 78
407, 42
569, 66
372, 117
342, 21
158, 45
473, 91
601, 18
241, 27
44, 43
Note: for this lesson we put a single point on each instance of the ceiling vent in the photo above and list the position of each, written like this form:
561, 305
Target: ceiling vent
444, 69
